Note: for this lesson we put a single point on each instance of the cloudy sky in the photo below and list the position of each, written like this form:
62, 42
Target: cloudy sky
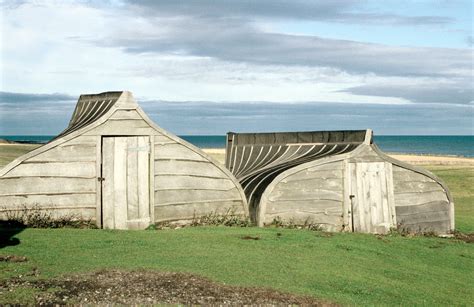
208, 67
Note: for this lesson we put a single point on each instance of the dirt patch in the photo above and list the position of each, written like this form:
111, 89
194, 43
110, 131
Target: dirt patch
150, 287
466, 237
12, 258
250, 238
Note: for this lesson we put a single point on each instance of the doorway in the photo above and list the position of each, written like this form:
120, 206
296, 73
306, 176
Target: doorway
372, 202
125, 182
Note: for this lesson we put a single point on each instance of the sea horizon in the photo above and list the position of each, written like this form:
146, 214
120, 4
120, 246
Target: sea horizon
445, 145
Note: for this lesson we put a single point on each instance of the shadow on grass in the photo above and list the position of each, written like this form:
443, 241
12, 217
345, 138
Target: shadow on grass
8, 229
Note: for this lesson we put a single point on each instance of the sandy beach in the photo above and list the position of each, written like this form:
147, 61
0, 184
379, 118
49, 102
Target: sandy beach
9, 152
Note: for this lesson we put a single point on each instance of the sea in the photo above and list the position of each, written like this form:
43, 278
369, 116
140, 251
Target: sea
446, 145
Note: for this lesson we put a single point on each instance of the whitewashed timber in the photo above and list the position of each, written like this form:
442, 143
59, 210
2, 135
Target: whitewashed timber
338, 180
115, 166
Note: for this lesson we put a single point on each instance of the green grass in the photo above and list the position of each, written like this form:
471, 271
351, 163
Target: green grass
345, 268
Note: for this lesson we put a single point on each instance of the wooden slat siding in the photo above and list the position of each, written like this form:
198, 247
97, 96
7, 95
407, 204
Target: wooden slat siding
439, 227
412, 199
196, 168
54, 169
98, 183
347, 202
403, 174
313, 175
314, 194
40, 185
188, 195
191, 182
390, 193
125, 114
151, 179
422, 217
76, 153
295, 185
160, 138
63, 200
122, 127
421, 203
190, 210
132, 180
143, 177
309, 205
417, 186
176, 151
82, 140
305, 194
108, 147
120, 183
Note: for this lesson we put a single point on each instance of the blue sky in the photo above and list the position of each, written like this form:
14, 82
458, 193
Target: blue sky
207, 67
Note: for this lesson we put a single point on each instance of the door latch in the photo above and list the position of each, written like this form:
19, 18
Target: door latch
351, 196
100, 179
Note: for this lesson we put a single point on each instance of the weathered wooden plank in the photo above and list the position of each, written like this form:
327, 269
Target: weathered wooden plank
390, 193
411, 199
132, 179
401, 174
432, 216
189, 195
188, 211
295, 186
305, 193
81, 140
162, 139
333, 166
196, 168
190, 182
123, 127
143, 169
313, 205
45, 185
108, 147
306, 175
120, 183
63, 200
427, 207
54, 169
176, 151
358, 206
436, 226
98, 183
125, 114
417, 186
347, 201
75, 153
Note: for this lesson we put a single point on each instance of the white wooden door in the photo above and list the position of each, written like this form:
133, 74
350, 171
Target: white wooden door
125, 182
372, 202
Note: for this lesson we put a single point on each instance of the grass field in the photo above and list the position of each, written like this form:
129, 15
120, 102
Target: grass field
343, 267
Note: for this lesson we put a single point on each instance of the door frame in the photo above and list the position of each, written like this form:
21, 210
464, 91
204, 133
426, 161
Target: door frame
151, 175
